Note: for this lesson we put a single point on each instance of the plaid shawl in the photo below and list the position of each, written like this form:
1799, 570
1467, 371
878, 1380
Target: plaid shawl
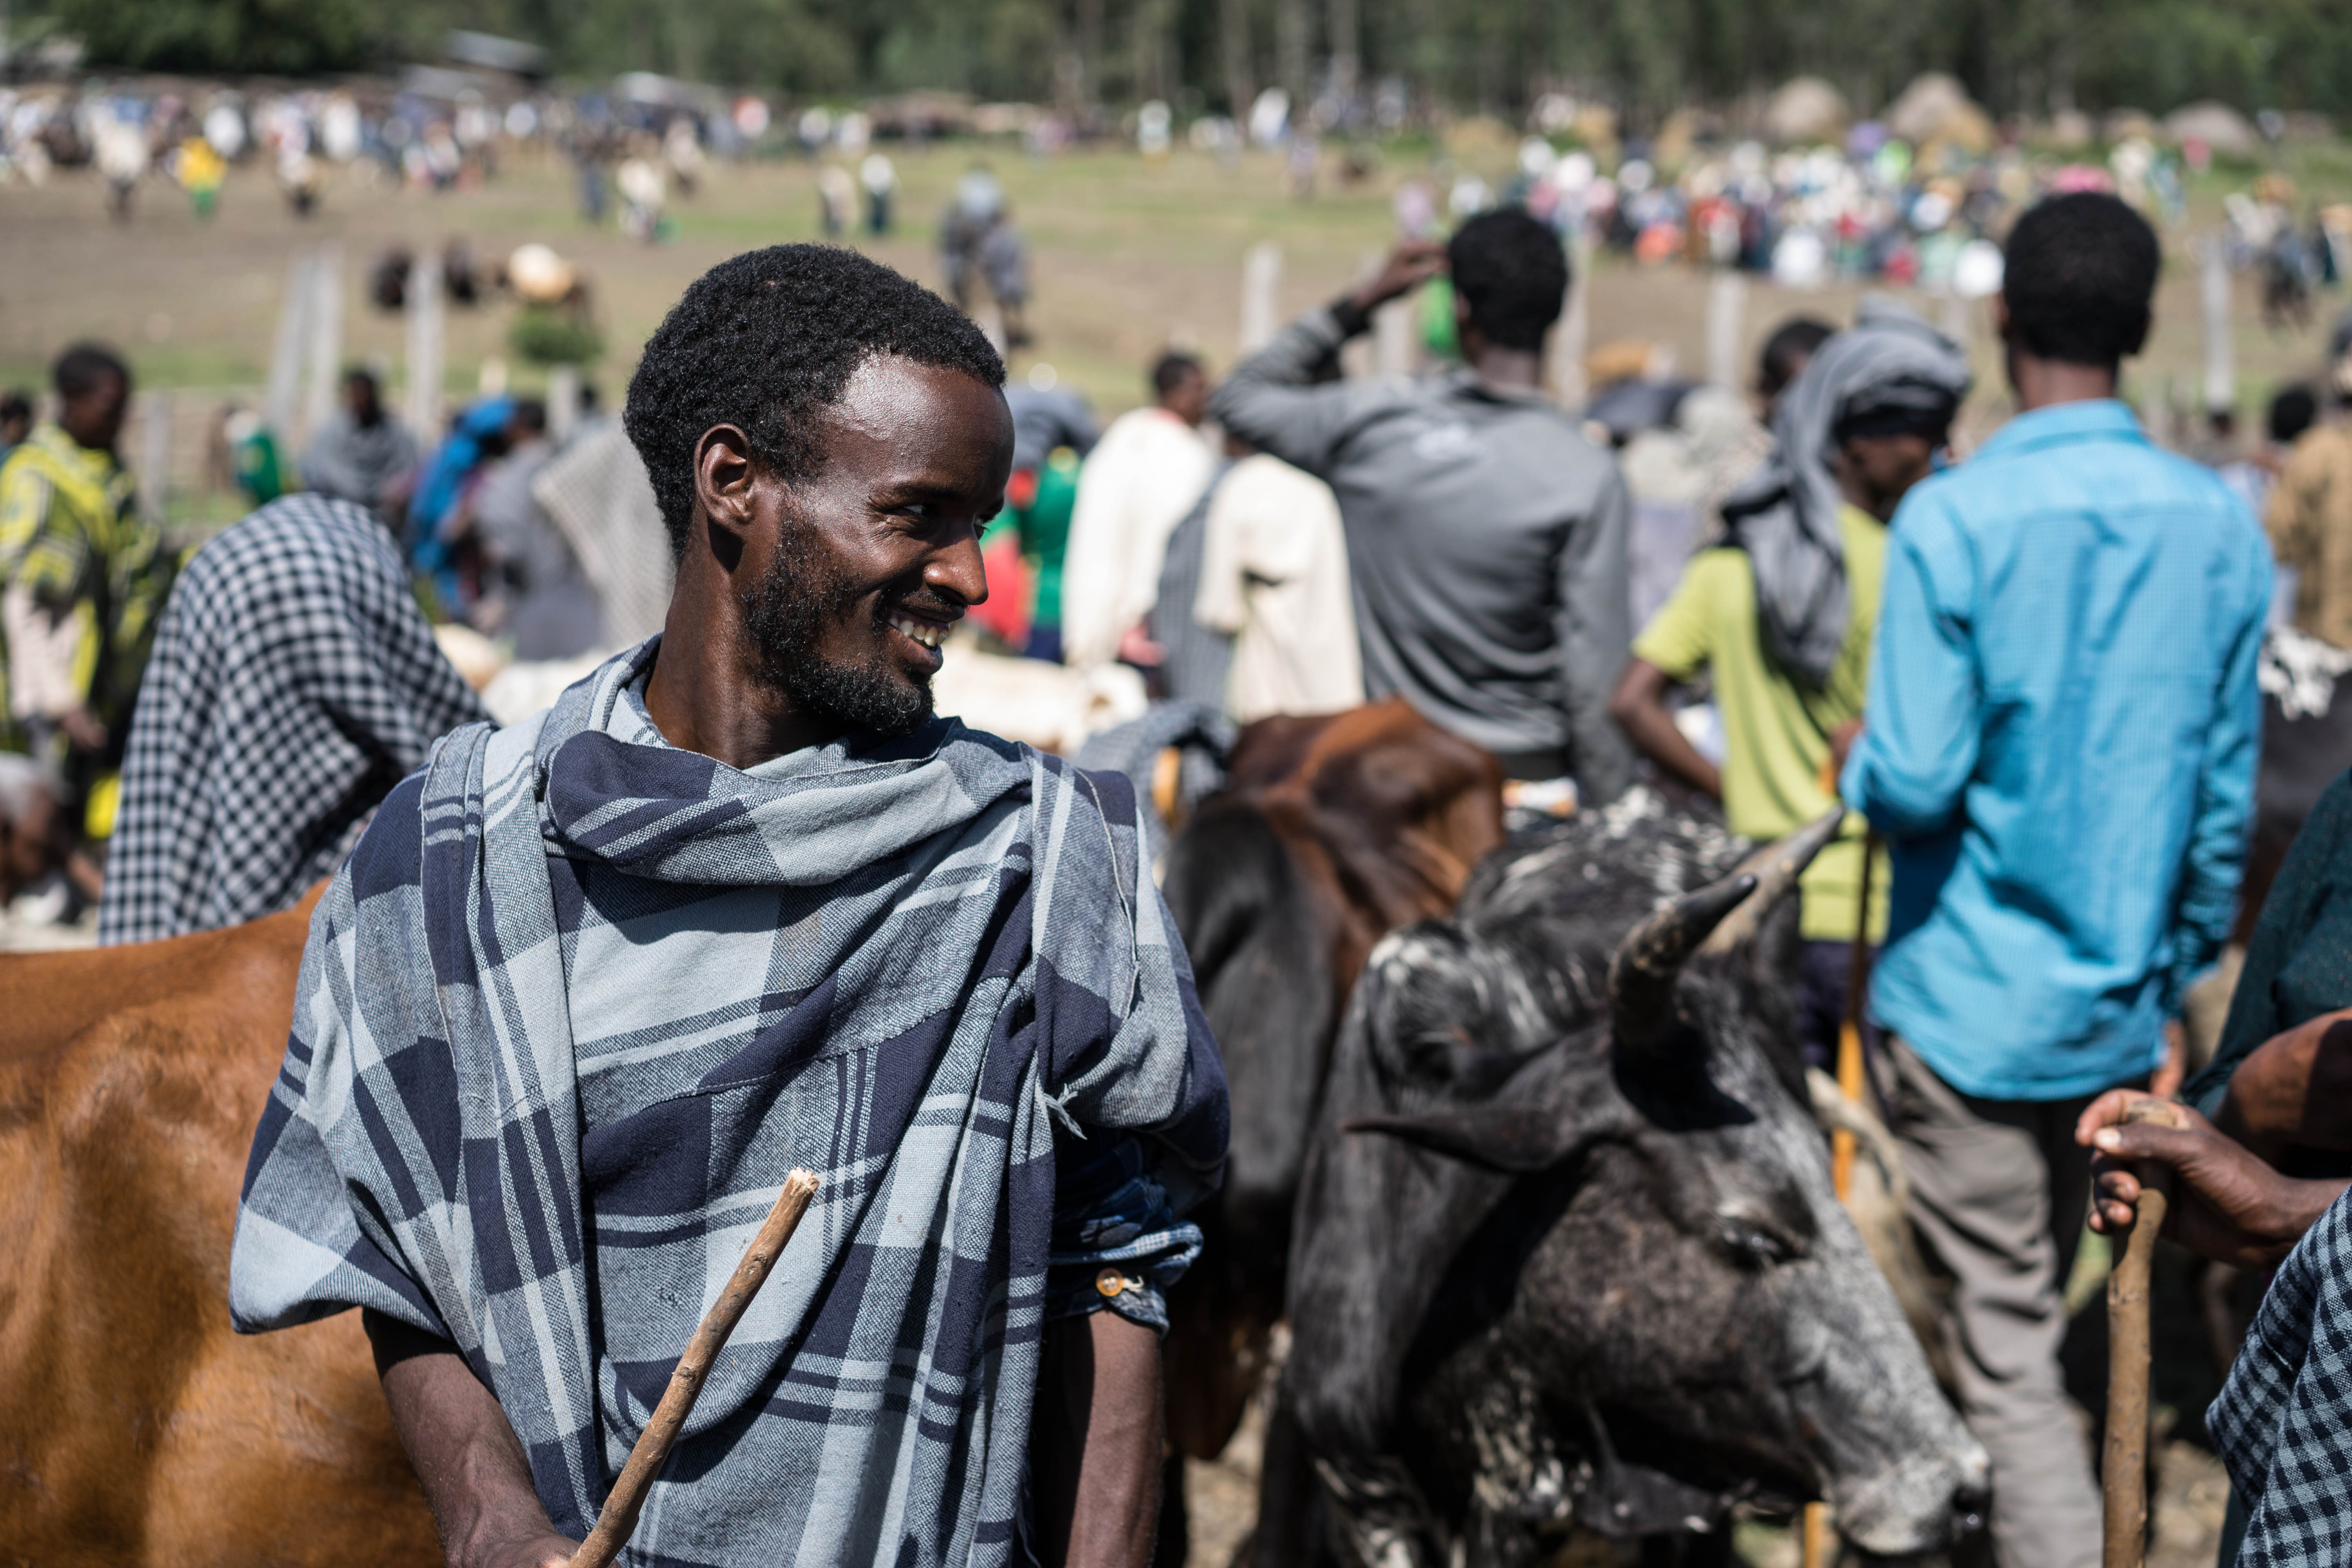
2283, 1423
293, 684
579, 1002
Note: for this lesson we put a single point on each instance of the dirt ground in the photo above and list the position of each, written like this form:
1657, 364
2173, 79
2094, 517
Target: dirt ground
1129, 258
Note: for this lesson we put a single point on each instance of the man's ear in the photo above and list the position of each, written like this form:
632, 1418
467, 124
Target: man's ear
2001, 317
2139, 339
1514, 1140
724, 469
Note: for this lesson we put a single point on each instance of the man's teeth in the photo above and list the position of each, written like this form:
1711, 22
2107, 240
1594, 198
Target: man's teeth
924, 632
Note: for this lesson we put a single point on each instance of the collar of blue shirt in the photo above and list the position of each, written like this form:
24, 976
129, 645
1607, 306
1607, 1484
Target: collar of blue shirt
2093, 419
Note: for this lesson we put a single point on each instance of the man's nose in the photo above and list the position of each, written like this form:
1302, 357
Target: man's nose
959, 570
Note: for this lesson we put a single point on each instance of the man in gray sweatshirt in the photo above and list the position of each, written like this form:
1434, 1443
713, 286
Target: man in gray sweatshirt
1486, 536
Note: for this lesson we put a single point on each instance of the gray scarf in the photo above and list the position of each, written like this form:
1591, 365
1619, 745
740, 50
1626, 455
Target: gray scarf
1785, 515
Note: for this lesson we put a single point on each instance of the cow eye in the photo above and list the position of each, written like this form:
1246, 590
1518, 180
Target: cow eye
1757, 1243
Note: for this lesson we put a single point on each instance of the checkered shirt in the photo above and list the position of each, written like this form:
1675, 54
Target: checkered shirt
293, 683
581, 1000
2284, 1420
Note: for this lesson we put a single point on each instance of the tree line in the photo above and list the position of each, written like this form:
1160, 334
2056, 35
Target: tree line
1643, 57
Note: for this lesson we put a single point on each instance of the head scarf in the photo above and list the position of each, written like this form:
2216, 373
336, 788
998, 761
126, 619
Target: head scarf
1891, 370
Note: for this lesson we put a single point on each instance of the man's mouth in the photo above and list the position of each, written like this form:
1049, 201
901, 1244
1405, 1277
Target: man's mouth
923, 634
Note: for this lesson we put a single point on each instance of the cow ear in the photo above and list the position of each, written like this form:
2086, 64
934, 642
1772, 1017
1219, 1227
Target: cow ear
1514, 1140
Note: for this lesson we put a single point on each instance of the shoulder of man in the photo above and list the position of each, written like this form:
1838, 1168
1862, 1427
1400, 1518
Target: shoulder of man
2203, 487
390, 856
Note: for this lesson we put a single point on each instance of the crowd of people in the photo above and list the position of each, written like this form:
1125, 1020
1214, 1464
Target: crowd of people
2035, 677
495, 527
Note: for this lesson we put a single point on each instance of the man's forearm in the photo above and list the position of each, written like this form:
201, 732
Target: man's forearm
475, 1475
2293, 1090
1096, 1452
1638, 711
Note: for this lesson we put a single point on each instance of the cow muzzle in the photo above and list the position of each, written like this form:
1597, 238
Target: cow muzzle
1925, 1504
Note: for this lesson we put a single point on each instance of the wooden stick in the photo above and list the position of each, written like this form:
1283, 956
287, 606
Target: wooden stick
1857, 989
619, 1514
2123, 1472
1813, 1544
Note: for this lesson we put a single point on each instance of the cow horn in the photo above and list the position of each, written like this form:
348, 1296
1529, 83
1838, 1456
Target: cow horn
1643, 970
1776, 869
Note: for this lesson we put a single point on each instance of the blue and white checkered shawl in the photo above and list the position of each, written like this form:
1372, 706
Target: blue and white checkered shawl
2283, 1422
898, 963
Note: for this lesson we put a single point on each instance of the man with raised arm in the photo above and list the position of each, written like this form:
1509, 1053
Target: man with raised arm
1486, 536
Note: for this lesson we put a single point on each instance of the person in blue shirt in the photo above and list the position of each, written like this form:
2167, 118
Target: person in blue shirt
2059, 747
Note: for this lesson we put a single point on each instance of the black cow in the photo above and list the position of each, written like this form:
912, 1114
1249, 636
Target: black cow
1566, 1247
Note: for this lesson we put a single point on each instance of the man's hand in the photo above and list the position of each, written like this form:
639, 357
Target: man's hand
540, 1552
1136, 647
1841, 740
1412, 264
1638, 704
2293, 1089
83, 729
474, 1473
2228, 1205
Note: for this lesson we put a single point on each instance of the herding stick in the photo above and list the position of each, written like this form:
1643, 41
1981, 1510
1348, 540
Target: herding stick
1814, 1524
2123, 1470
619, 1514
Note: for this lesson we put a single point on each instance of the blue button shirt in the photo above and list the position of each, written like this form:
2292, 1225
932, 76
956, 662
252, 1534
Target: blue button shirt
2060, 749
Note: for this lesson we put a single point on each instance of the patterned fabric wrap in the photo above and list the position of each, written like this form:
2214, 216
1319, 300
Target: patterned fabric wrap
71, 533
293, 683
581, 1000
2283, 1422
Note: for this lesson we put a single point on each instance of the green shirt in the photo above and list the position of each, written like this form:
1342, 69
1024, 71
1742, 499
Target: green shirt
1776, 736
1045, 530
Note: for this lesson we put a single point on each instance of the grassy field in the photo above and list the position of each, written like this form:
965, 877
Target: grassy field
1129, 256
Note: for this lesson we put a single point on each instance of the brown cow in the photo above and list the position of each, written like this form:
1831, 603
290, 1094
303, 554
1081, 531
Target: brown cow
1333, 832
135, 1428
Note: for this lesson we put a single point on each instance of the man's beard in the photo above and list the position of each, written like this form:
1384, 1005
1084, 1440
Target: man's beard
786, 613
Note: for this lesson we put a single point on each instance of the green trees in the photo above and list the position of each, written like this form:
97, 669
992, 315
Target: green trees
1646, 57
279, 36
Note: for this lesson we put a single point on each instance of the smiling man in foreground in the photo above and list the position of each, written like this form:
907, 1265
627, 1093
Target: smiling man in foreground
591, 986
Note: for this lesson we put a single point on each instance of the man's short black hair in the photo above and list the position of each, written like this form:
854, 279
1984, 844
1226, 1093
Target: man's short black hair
2079, 278
766, 341
14, 405
2293, 412
85, 367
1792, 343
1511, 273
352, 373
1172, 370
530, 413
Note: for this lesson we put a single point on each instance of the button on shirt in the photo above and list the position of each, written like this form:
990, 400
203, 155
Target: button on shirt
2063, 724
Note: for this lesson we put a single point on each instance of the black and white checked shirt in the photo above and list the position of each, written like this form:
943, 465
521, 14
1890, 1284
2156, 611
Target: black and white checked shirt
293, 683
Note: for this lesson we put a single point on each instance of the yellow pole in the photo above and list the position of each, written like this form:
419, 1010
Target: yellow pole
1815, 1543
